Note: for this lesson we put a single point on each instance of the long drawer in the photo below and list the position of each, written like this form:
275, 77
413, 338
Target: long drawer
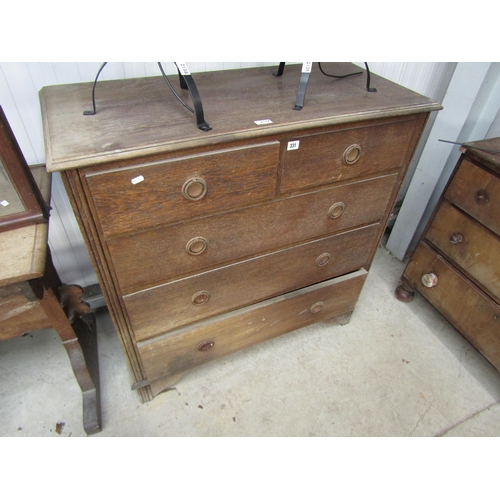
472, 312
469, 244
476, 192
191, 299
153, 194
211, 339
153, 257
347, 153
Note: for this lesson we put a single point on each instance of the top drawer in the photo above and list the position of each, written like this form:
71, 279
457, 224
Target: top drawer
476, 192
348, 153
153, 194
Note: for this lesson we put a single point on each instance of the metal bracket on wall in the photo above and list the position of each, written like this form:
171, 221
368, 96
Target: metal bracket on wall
304, 79
186, 82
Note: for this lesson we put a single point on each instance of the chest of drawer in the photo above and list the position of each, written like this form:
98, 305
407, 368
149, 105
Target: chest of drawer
476, 191
216, 337
472, 312
153, 257
474, 248
347, 153
163, 308
149, 195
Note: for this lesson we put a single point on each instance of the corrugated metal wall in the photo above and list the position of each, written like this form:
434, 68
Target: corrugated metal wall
21, 82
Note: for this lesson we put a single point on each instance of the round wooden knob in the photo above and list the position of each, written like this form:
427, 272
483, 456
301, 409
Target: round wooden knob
336, 210
196, 246
429, 280
316, 307
456, 238
482, 196
205, 345
352, 154
194, 189
323, 259
200, 298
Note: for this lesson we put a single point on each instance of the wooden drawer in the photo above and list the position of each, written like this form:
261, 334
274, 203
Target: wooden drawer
347, 153
211, 339
476, 192
472, 312
185, 301
159, 193
469, 244
151, 258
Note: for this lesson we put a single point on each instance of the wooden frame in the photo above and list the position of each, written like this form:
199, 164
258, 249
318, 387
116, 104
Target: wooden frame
16, 176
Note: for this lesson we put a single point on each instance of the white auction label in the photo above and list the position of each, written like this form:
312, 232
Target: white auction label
263, 122
138, 179
292, 145
183, 68
307, 67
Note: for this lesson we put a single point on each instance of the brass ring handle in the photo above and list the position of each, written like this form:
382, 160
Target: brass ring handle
352, 154
336, 210
323, 259
316, 307
194, 189
200, 298
456, 238
430, 280
482, 196
196, 246
205, 345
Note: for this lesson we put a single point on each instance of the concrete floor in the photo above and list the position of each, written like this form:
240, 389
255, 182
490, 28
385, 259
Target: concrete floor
395, 370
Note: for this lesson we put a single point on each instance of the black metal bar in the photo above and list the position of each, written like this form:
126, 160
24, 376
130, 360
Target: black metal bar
301, 92
281, 68
93, 112
368, 88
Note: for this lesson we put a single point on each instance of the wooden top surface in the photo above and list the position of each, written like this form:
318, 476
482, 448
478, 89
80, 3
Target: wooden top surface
141, 116
490, 159
23, 251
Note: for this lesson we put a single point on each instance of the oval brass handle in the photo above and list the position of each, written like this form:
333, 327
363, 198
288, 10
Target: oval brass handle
429, 280
482, 196
194, 189
352, 154
200, 298
196, 246
205, 345
316, 307
323, 259
336, 210
456, 238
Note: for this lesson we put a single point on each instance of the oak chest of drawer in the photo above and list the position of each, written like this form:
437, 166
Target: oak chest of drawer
456, 265
206, 243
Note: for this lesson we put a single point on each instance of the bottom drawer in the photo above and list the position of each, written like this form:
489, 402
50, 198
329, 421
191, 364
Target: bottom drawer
185, 348
467, 308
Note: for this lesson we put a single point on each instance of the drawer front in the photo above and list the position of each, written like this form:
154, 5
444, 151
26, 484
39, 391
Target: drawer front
153, 257
185, 301
473, 247
476, 192
470, 311
155, 194
346, 154
217, 337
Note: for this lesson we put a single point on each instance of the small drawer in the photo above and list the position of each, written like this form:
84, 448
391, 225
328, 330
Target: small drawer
476, 192
163, 308
470, 245
468, 309
347, 153
213, 338
149, 195
153, 257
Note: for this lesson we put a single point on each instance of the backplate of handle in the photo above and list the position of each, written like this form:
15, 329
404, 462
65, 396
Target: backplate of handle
352, 154
196, 246
194, 189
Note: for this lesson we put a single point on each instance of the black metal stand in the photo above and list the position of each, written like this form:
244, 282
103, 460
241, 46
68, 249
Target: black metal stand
304, 79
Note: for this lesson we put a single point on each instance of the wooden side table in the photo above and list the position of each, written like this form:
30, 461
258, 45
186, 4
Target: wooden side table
32, 297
